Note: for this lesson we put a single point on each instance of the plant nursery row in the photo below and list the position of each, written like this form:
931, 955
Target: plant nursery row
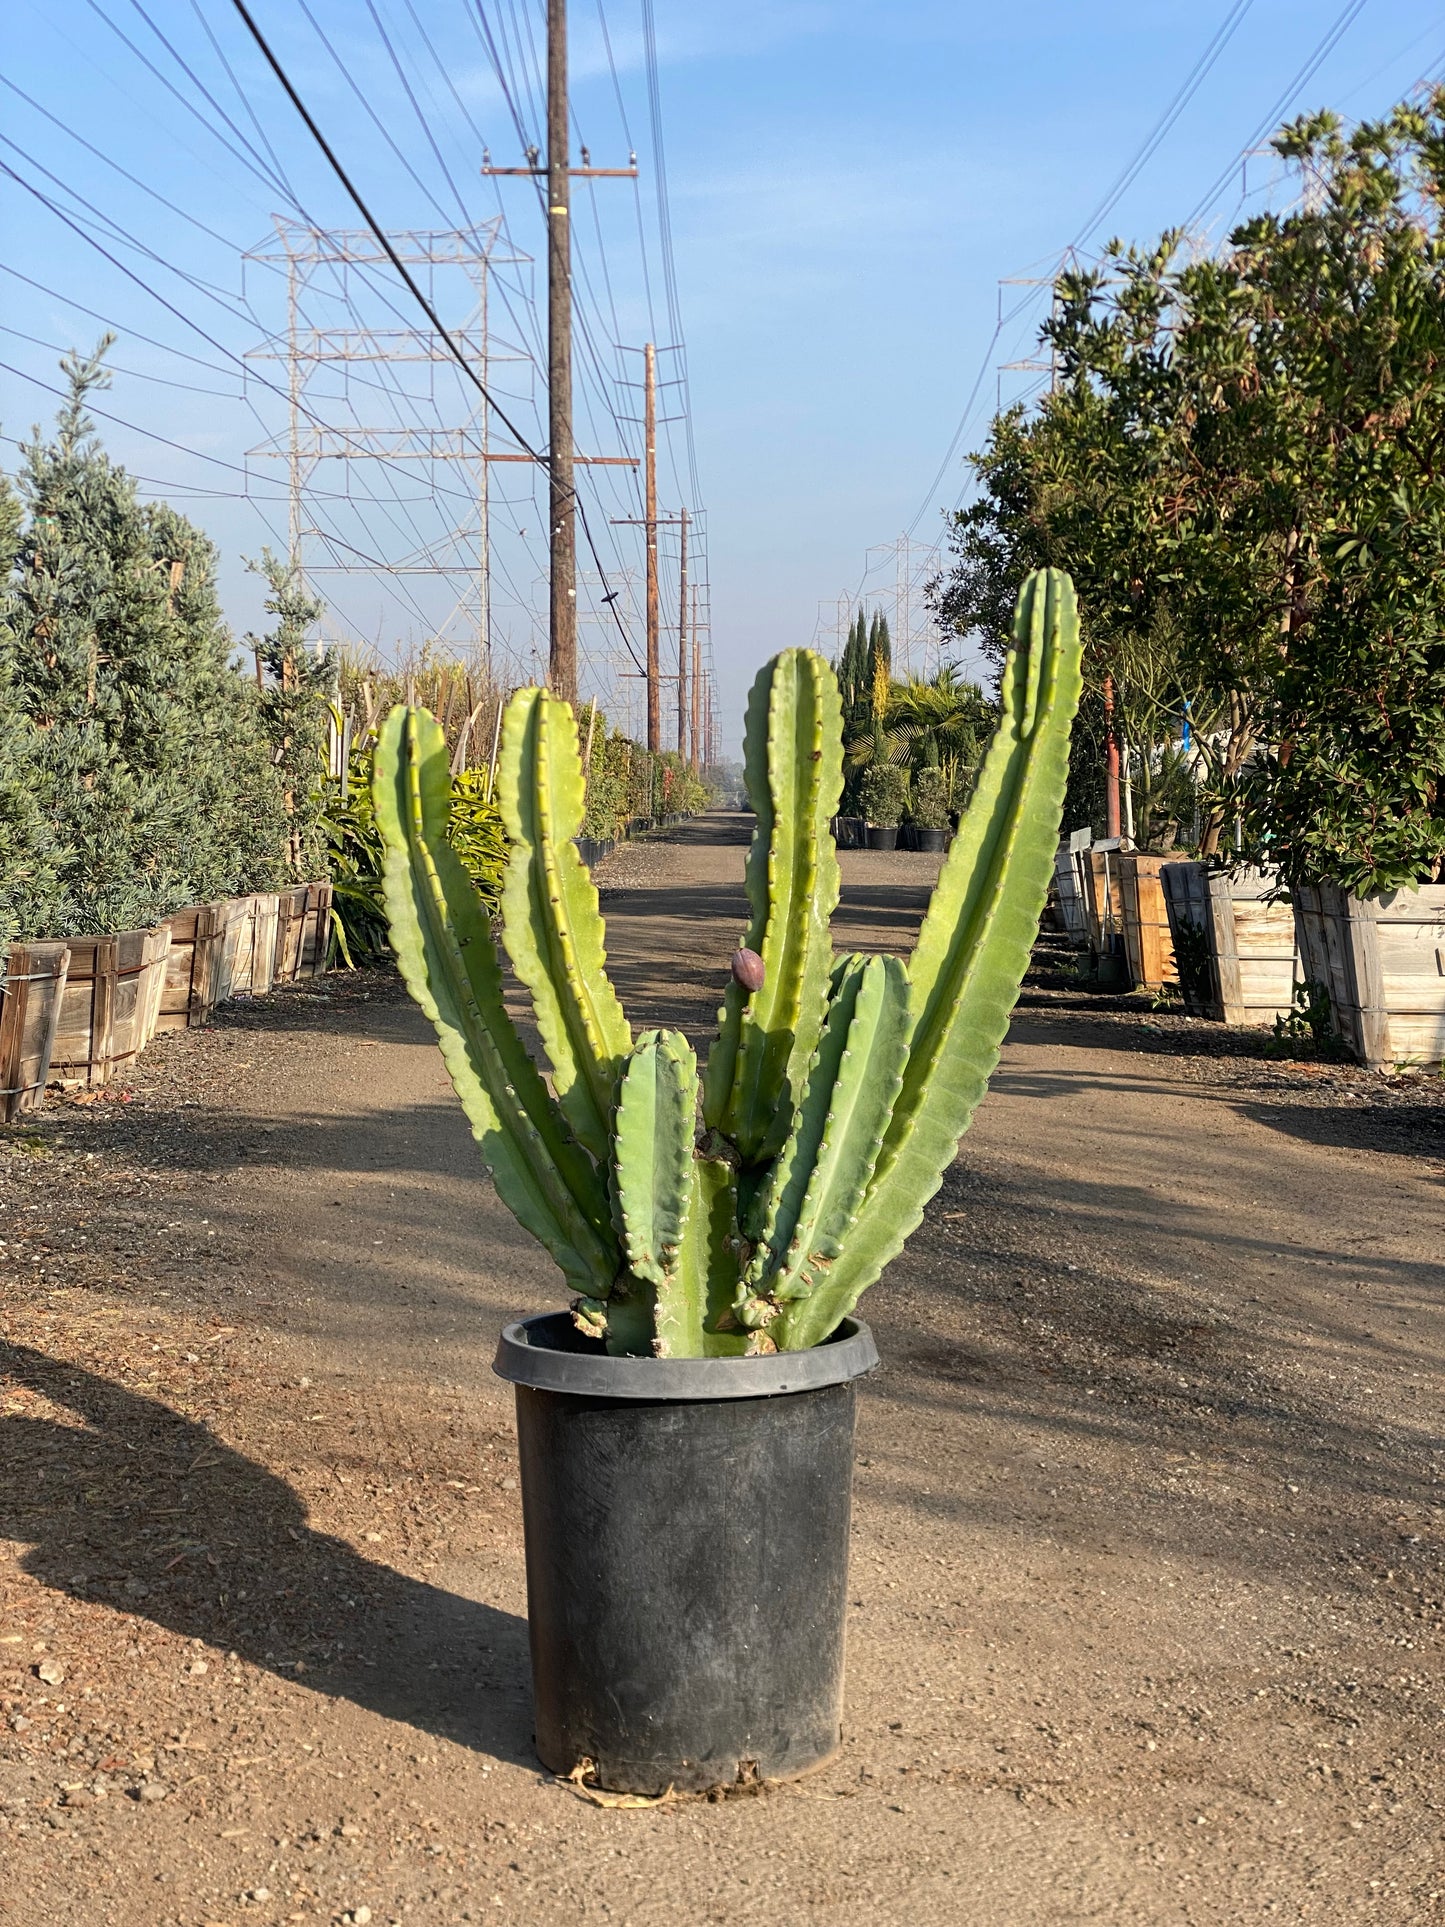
75, 1011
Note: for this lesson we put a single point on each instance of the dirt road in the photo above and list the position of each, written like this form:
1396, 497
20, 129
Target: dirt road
1148, 1577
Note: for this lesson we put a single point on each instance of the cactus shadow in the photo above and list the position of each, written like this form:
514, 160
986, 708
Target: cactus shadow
123, 1502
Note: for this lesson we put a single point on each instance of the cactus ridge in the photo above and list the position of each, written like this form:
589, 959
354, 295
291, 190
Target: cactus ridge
794, 763
694, 1307
835, 1093
553, 929
444, 948
974, 944
822, 1175
653, 1152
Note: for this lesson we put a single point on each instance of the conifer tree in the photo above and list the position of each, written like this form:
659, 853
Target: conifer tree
295, 709
125, 721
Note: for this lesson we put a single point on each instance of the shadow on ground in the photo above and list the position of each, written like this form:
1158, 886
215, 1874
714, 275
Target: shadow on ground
236, 1565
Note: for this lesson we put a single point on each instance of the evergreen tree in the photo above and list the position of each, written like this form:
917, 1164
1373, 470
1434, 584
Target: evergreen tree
125, 723
29, 853
880, 665
296, 714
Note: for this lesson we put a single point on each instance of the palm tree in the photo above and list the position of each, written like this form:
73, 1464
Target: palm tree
942, 724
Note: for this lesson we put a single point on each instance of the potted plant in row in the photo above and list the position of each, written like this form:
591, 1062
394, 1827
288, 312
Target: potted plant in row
883, 793
686, 1431
928, 809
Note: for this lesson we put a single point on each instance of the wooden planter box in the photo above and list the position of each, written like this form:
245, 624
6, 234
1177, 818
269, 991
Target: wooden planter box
110, 1005
1382, 959
1233, 951
303, 932
192, 983
1098, 872
248, 952
31, 990
1148, 942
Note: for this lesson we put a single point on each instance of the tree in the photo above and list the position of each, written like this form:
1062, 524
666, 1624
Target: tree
125, 725
296, 715
1242, 468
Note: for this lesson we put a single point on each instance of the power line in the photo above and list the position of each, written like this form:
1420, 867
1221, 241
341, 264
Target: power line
249, 158
155, 294
1190, 86
1331, 38
101, 155
383, 241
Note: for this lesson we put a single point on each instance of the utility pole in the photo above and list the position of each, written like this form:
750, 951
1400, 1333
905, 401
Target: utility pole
654, 692
697, 751
682, 640
562, 659
561, 454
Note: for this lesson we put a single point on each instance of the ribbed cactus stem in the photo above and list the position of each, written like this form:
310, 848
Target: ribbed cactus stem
551, 922
835, 1094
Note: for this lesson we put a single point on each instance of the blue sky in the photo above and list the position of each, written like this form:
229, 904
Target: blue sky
848, 185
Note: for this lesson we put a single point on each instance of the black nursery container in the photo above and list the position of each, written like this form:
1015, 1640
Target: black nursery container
687, 1527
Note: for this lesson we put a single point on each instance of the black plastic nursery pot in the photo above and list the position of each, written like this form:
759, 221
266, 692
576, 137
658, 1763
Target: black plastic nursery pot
881, 837
932, 841
687, 1527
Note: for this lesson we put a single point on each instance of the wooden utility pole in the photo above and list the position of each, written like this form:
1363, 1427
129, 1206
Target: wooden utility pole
654, 688
562, 659
697, 745
682, 640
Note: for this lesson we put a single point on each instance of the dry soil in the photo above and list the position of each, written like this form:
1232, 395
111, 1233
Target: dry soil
1147, 1580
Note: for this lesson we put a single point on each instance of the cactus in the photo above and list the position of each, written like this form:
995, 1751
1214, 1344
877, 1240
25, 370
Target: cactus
836, 1091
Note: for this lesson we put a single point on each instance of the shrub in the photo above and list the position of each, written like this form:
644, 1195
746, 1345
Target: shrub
883, 793
929, 805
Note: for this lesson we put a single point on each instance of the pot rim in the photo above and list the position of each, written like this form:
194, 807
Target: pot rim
547, 1353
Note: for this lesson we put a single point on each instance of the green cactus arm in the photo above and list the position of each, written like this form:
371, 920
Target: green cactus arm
444, 947
698, 1296
823, 1173
652, 1149
766, 1038
974, 946
554, 934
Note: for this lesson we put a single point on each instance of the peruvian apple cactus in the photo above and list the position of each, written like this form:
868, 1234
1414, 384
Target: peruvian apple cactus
750, 1214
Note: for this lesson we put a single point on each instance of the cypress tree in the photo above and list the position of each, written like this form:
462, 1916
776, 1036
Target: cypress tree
30, 855
139, 741
295, 713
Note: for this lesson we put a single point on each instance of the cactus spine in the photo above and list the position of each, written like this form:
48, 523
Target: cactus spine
835, 1093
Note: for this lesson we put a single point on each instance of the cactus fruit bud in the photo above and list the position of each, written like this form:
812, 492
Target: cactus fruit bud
752, 1312
748, 969
589, 1315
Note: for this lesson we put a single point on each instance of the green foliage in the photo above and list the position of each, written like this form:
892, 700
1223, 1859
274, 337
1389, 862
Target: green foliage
1240, 464
883, 794
474, 830
355, 854
1308, 1027
928, 805
624, 781
135, 771
296, 713
835, 1094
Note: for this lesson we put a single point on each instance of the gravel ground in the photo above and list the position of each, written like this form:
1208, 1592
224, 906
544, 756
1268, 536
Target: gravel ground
1148, 1571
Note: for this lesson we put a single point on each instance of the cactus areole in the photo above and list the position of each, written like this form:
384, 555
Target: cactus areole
742, 1212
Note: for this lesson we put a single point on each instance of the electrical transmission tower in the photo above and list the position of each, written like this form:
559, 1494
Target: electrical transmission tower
913, 628
342, 378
